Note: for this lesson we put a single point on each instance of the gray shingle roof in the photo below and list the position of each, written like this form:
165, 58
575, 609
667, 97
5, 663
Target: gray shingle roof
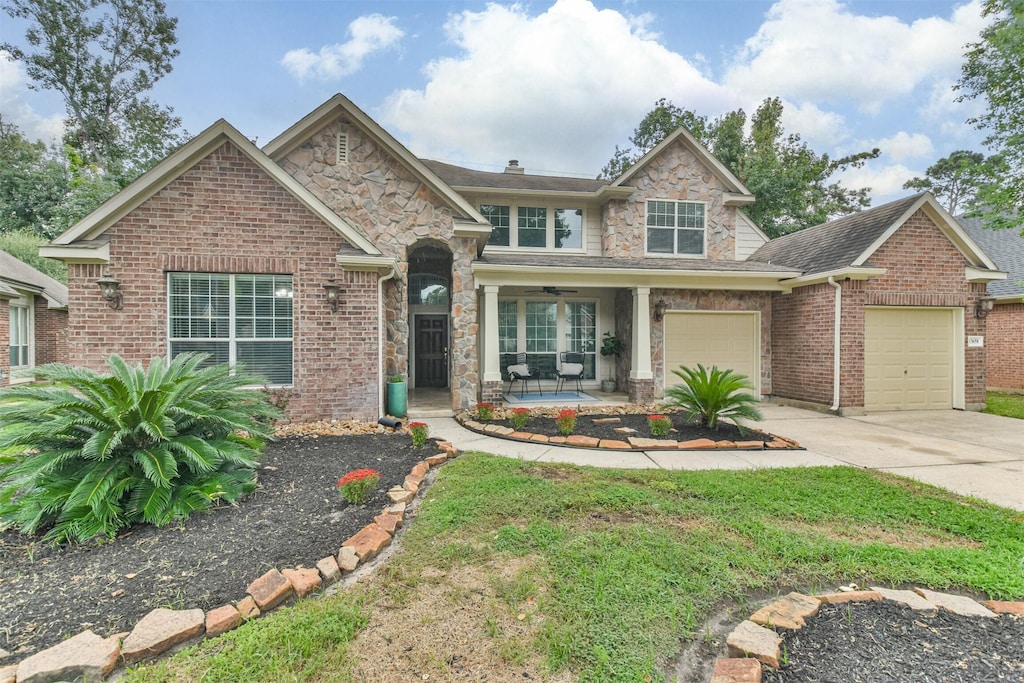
456, 176
836, 244
1006, 248
682, 265
13, 271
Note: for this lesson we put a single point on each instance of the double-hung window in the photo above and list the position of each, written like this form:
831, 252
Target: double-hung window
21, 334
675, 227
237, 319
535, 227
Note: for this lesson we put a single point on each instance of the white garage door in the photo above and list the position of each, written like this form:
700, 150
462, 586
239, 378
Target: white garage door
728, 340
908, 358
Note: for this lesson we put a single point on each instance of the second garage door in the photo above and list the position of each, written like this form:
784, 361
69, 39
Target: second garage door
908, 358
728, 340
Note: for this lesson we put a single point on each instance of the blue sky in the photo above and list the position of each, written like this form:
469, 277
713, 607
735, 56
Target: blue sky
557, 84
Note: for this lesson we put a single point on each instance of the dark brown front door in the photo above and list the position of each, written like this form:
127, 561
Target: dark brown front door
431, 350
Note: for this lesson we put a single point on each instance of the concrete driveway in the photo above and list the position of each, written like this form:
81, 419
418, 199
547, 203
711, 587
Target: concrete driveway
973, 454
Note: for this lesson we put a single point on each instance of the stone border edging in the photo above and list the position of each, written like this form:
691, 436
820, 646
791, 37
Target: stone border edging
754, 642
632, 443
93, 657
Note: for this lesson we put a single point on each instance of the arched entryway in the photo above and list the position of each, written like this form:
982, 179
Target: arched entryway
429, 302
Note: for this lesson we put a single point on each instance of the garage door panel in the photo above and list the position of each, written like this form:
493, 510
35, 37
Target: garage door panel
728, 340
908, 358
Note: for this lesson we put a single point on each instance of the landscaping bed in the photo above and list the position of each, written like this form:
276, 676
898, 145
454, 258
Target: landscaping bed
295, 517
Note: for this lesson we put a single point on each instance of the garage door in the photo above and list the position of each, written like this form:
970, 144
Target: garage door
728, 340
908, 359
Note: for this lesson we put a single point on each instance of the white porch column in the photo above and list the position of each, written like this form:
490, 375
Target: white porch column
641, 351
492, 365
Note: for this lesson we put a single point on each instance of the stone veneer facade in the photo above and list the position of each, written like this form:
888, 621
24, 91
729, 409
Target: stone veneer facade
375, 193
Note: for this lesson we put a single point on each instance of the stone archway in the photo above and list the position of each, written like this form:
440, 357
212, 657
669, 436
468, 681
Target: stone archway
429, 305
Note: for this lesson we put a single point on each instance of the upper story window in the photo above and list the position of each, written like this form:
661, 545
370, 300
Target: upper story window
675, 227
535, 227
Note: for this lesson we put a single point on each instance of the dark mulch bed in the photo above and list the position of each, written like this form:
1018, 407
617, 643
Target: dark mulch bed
681, 429
296, 517
885, 642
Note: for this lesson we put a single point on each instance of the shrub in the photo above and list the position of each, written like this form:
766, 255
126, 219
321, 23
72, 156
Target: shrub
659, 425
101, 452
419, 431
711, 396
357, 485
519, 417
566, 421
485, 411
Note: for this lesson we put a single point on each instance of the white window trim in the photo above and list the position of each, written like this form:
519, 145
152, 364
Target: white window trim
704, 247
560, 328
513, 238
232, 339
22, 373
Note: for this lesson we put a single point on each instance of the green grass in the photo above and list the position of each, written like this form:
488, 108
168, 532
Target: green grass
627, 562
1007, 405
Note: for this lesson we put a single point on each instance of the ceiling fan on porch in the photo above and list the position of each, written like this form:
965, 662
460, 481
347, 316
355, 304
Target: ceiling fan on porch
553, 291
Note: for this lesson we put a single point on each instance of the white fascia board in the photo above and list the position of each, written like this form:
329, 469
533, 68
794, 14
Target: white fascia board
1008, 299
604, 194
359, 262
838, 274
514, 275
973, 274
73, 254
467, 229
736, 199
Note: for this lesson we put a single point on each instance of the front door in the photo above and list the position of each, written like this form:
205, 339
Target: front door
432, 351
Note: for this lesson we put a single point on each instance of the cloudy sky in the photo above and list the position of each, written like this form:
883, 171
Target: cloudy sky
557, 84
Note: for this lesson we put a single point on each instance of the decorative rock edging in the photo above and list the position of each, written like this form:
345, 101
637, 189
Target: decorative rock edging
632, 443
755, 643
93, 657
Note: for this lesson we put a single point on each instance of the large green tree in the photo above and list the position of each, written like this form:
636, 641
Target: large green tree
957, 180
102, 57
994, 73
792, 183
33, 180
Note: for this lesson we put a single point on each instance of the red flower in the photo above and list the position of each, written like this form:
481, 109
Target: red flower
357, 475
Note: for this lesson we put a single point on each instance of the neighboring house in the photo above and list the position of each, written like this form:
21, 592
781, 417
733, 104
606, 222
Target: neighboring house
1004, 341
333, 258
33, 319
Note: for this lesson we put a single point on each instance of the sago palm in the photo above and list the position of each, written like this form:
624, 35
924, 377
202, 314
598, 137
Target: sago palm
89, 454
711, 396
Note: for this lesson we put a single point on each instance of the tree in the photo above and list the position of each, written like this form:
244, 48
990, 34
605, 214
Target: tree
102, 56
957, 179
789, 180
994, 72
32, 182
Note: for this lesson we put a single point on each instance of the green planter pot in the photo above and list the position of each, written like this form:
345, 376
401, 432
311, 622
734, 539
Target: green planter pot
398, 398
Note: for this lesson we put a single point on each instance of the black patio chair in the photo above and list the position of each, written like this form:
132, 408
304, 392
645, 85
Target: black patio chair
570, 368
519, 371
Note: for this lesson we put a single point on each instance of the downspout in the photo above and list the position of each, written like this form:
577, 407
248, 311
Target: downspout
393, 271
836, 360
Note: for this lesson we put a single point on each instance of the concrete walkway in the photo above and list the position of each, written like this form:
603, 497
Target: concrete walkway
972, 454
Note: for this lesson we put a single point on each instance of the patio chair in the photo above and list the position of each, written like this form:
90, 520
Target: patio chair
571, 368
519, 371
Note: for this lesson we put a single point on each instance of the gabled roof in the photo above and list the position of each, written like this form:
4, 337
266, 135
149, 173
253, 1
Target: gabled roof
739, 194
340, 106
466, 178
184, 158
850, 241
1006, 248
16, 274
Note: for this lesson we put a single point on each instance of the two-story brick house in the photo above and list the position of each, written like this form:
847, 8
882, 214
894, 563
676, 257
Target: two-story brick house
333, 258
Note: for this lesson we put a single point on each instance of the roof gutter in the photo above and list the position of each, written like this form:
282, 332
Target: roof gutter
391, 272
836, 359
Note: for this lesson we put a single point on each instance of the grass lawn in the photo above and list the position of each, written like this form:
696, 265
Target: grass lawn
1008, 405
599, 575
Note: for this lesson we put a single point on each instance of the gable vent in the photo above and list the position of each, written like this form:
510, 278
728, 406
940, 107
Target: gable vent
341, 152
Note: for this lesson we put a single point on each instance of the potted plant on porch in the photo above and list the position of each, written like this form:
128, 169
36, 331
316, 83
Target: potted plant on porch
610, 346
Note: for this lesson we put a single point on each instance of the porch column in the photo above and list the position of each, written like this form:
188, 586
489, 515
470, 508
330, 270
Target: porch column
641, 351
492, 365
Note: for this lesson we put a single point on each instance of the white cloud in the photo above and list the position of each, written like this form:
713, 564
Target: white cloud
817, 127
367, 35
904, 146
16, 110
818, 50
556, 91
885, 181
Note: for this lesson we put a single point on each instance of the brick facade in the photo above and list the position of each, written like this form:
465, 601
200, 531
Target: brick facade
226, 215
5, 343
51, 333
923, 269
1004, 367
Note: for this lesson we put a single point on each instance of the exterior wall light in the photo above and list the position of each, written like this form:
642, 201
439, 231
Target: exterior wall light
659, 310
333, 294
984, 306
111, 290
